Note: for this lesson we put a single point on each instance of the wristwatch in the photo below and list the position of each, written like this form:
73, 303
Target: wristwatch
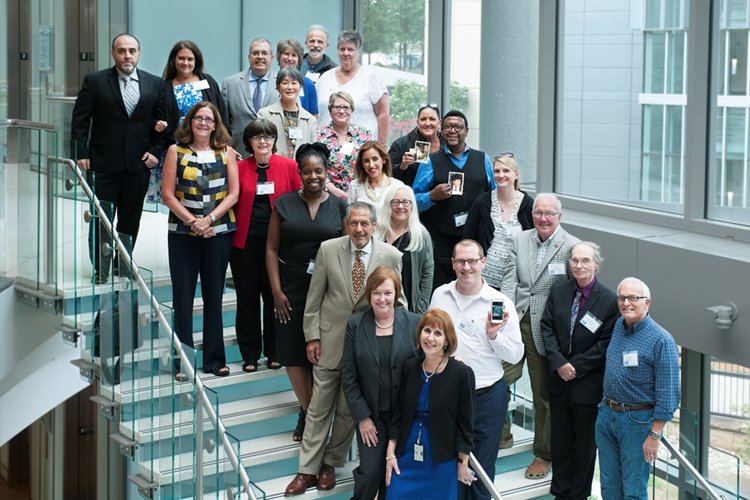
654, 435
213, 218
465, 461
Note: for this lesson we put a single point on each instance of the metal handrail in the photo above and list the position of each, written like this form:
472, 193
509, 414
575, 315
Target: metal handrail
702, 481
490, 485
16, 123
185, 365
62, 99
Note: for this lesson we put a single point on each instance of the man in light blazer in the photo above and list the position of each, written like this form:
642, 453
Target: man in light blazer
577, 327
118, 107
331, 301
246, 92
538, 260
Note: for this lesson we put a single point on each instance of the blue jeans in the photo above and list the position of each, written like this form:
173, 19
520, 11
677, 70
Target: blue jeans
620, 437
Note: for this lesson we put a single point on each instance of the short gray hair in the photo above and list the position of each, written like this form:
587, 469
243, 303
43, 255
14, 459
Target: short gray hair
362, 205
317, 27
350, 36
260, 39
598, 259
344, 95
549, 196
644, 288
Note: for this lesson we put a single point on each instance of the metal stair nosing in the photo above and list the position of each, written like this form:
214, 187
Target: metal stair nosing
161, 344
274, 488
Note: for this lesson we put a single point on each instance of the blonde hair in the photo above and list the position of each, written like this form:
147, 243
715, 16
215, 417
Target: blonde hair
512, 164
413, 225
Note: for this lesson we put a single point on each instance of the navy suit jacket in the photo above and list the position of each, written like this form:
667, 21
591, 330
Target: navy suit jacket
117, 141
589, 351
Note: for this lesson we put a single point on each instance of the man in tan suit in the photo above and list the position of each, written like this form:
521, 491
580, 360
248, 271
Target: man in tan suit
336, 293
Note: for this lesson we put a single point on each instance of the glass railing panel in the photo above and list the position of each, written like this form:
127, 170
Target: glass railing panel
28, 203
106, 304
669, 478
47, 158
521, 408
213, 456
231, 481
724, 472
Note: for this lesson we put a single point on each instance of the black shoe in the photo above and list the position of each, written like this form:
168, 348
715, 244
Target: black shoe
100, 279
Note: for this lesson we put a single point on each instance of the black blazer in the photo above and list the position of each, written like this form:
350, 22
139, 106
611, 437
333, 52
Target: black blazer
212, 94
117, 141
361, 366
479, 225
589, 349
452, 405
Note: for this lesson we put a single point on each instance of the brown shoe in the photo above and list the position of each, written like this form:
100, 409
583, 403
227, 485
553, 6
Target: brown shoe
300, 483
507, 443
326, 478
538, 469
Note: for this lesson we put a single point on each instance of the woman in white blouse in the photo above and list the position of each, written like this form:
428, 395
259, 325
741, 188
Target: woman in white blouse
373, 176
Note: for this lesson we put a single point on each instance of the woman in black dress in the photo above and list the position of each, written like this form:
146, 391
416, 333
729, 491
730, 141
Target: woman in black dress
300, 222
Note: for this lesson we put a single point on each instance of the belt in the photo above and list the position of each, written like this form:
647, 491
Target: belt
483, 390
623, 407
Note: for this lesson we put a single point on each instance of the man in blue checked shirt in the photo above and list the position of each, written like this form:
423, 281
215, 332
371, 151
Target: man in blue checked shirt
641, 393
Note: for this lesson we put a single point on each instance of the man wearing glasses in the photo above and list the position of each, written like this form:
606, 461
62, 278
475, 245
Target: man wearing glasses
538, 260
483, 345
576, 328
248, 91
641, 393
442, 212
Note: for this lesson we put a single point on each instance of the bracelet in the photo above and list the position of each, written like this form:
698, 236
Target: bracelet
464, 461
390, 457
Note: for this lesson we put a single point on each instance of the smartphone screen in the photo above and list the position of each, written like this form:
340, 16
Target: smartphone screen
497, 311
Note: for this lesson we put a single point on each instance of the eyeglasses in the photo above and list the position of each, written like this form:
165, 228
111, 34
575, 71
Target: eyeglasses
538, 215
453, 128
630, 298
267, 138
345, 109
405, 203
461, 262
508, 154
201, 119
584, 262
260, 53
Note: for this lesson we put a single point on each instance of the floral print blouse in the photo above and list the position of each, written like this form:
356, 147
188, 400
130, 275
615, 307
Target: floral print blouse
343, 152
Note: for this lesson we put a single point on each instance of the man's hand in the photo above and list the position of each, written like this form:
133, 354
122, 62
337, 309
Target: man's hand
441, 192
493, 328
313, 351
84, 164
650, 449
567, 372
368, 432
160, 126
149, 159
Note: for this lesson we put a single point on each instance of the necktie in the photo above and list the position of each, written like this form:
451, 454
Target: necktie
574, 318
358, 273
129, 94
257, 96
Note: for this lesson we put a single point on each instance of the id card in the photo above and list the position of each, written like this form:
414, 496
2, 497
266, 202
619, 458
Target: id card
591, 322
200, 85
630, 359
418, 452
460, 219
295, 133
302, 92
311, 266
513, 230
264, 188
555, 269
313, 76
347, 148
206, 156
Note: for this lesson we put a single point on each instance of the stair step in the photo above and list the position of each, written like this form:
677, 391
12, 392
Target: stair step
232, 413
229, 303
274, 488
153, 350
513, 485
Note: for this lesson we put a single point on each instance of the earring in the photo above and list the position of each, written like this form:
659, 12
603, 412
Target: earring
445, 347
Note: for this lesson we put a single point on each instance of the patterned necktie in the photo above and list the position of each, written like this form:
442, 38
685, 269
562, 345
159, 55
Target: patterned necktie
358, 273
574, 318
129, 94
257, 96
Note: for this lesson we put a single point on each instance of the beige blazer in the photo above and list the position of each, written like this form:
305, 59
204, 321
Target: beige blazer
330, 299
307, 125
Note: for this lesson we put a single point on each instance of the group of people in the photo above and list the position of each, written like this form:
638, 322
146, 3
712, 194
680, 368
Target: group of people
372, 274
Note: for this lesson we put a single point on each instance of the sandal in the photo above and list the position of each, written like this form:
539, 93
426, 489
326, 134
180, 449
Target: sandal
273, 364
220, 371
250, 367
180, 377
300, 430
538, 469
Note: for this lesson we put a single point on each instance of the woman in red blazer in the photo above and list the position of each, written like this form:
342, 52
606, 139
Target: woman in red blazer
263, 178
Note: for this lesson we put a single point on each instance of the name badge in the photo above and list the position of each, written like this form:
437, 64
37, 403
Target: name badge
513, 230
591, 322
264, 188
313, 76
302, 92
200, 85
467, 326
555, 269
206, 156
295, 133
418, 452
311, 266
630, 359
347, 148
460, 219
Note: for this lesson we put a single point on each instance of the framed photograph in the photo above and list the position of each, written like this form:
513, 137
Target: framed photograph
456, 180
421, 151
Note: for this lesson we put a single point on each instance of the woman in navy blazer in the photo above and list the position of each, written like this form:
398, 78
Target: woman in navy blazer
377, 344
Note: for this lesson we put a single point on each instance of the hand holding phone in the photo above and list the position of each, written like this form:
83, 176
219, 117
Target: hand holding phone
496, 311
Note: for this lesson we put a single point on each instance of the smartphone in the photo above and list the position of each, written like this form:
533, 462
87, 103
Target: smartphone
497, 311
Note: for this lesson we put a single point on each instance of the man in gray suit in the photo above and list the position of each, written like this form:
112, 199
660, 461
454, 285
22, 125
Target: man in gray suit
246, 92
538, 260
336, 293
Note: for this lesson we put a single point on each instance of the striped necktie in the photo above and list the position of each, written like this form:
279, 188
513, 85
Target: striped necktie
129, 94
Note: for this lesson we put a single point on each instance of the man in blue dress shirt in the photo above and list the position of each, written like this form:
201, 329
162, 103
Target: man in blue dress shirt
641, 393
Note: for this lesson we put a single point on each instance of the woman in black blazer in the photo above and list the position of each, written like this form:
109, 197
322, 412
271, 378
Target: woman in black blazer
433, 422
377, 343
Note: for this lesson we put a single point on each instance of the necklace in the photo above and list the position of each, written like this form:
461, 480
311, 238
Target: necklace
384, 327
428, 377
309, 206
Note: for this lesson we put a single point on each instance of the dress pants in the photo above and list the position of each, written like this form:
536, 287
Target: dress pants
538, 369
190, 256
487, 432
251, 282
573, 428
369, 477
123, 194
328, 402
442, 245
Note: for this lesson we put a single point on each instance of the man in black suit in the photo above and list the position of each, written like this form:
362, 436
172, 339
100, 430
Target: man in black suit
120, 107
576, 329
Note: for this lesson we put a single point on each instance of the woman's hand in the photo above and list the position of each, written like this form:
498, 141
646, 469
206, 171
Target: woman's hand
391, 466
281, 307
369, 432
407, 160
465, 475
160, 126
202, 226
